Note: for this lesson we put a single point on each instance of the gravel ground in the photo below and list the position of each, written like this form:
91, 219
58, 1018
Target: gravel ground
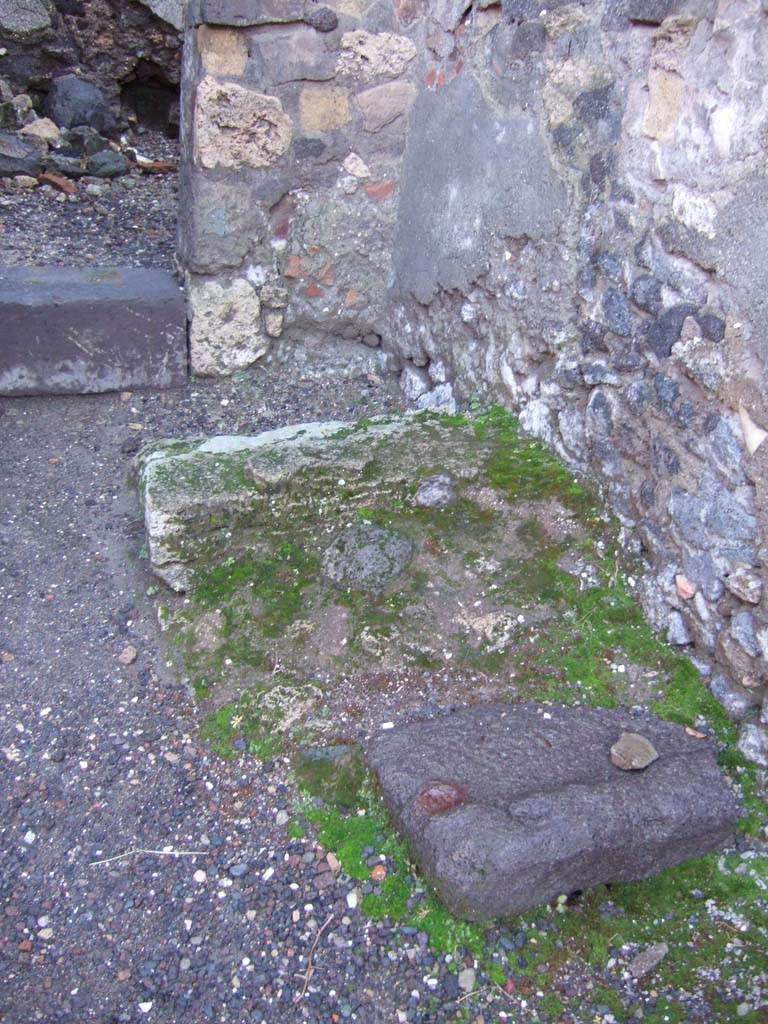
97, 761
129, 221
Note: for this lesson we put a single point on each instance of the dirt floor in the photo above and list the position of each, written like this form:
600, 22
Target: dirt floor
128, 221
100, 760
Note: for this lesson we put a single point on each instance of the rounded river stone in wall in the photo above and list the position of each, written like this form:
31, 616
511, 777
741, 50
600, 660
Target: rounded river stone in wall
365, 557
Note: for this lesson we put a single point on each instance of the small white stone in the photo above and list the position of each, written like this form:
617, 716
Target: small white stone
199, 875
267, 874
356, 167
387, 725
467, 979
352, 899
145, 1007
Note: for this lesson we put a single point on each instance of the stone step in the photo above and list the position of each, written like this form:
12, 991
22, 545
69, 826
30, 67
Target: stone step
76, 331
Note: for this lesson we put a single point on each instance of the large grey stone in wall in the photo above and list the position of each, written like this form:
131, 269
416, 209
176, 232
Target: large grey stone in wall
250, 12
522, 10
218, 224
23, 17
648, 12
79, 331
507, 807
72, 102
171, 11
487, 175
19, 155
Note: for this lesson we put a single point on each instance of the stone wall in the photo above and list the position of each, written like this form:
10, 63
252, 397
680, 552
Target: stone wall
561, 206
115, 44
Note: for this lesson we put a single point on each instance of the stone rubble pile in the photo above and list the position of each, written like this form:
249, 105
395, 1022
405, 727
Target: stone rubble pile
71, 139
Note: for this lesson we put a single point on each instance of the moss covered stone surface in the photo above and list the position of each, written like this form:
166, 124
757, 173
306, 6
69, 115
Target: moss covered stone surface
517, 591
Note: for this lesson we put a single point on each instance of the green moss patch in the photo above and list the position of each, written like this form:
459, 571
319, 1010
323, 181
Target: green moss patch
518, 590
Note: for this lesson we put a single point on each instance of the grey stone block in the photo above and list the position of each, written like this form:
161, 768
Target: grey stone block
520, 10
246, 12
72, 102
78, 331
507, 807
323, 19
617, 312
19, 156
108, 164
171, 11
650, 12
665, 331
646, 293
22, 19
736, 701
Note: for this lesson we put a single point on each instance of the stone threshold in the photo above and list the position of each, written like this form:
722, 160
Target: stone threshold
94, 329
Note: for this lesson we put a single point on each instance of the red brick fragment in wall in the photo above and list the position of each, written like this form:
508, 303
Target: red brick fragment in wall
379, 190
327, 276
281, 215
313, 291
293, 267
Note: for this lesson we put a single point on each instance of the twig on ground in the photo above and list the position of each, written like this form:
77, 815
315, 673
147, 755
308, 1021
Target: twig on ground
153, 853
310, 966
475, 992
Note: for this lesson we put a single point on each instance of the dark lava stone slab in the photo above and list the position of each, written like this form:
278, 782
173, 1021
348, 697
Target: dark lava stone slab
507, 807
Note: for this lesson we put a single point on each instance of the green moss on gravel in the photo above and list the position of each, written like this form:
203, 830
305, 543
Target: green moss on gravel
575, 659
683, 906
246, 720
523, 468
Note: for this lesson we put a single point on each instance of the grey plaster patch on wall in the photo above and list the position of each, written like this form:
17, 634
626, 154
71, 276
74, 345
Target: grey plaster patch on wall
465, 180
